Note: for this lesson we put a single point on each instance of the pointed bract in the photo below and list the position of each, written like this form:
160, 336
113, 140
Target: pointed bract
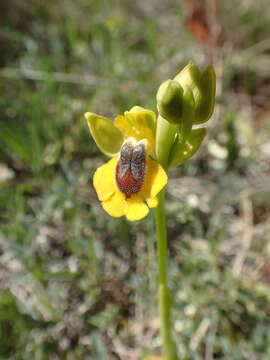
182, 151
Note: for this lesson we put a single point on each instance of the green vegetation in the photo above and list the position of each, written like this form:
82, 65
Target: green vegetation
77, 284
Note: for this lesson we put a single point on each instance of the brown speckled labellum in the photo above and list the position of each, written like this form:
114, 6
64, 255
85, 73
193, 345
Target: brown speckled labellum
131, 167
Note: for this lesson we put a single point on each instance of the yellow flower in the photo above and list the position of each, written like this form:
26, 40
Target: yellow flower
134, 206
129, 183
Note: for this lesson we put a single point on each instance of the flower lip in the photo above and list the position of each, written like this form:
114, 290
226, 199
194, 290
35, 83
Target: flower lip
131, 167
135, 207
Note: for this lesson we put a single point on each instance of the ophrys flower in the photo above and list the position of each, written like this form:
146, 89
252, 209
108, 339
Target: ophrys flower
129, 182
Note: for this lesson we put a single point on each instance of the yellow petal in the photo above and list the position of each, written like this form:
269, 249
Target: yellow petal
155, 179
136, 208
137, 108
138, 123
104, 181
152, 202
115, 206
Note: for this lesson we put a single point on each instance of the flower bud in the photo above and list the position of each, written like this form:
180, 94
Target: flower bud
203, 86
169, 101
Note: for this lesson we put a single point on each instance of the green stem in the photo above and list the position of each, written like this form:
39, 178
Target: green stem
169, 352
164, 139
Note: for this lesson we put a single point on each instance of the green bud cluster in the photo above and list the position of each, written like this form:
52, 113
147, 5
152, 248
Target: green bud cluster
202, 83
185, 101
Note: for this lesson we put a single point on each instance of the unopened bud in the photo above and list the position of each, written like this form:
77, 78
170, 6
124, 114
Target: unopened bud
203, 86
169, 101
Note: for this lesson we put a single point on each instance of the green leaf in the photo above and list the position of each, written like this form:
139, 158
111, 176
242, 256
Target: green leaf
107, 136
182, 151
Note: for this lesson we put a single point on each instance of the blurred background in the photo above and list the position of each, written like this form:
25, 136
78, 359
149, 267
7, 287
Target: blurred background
77, 284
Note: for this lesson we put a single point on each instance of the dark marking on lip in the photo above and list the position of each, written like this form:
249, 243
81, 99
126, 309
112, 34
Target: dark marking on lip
130, 168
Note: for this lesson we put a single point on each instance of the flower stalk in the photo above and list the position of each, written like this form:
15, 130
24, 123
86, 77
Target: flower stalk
164, 299
164, 139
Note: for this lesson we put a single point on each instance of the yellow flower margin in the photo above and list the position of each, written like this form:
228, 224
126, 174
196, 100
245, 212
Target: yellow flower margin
134, 208
138, 123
